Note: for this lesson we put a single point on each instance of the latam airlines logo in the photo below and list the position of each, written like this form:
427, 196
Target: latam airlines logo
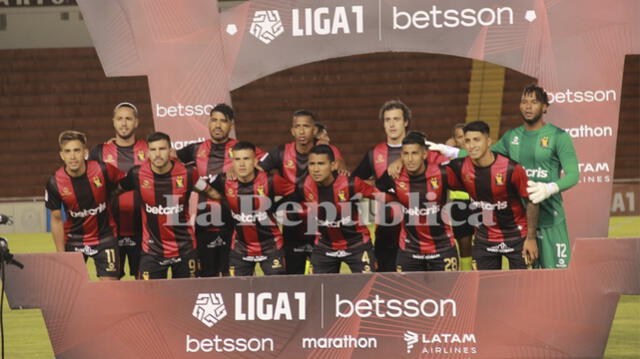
411, 338
209, 308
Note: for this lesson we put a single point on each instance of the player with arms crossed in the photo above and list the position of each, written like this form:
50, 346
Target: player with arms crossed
291, 160
84, 187
497, 186
330, 199
426, 238
395, 117
125, 152
164, 186
257, 238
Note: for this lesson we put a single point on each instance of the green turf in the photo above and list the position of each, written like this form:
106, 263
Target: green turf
26, 336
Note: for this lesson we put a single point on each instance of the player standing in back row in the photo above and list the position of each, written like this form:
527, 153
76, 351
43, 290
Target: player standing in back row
545, 151
125, 152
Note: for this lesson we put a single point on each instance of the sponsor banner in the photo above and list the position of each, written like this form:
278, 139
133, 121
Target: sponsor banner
220, 52
625, 199
380, 315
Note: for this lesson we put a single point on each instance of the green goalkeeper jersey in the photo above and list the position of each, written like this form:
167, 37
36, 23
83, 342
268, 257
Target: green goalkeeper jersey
544, 153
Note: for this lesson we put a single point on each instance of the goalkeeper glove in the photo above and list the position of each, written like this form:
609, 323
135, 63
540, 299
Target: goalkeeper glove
539, 191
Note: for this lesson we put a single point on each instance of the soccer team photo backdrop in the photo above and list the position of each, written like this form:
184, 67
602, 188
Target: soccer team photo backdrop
194, 57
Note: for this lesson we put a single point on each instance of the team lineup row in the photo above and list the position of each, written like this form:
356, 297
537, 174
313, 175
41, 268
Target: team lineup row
466, 203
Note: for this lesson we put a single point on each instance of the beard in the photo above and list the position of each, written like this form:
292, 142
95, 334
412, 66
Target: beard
532, 121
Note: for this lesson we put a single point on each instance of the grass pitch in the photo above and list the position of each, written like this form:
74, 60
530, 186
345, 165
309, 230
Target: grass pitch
26, 336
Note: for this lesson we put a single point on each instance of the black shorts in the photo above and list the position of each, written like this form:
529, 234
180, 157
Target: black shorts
152, 267
105, 257
488, 255
240, 266
213, 251
297, 247
447, 261
360, 260
129, 248
460, 213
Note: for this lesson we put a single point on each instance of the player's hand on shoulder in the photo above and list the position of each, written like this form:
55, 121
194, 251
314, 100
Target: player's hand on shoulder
539, 191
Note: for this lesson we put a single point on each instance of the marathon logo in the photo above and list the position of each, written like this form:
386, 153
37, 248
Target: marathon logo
178, 208
89, 212
489, 206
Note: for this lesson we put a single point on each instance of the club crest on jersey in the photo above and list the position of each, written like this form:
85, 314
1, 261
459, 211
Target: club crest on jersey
515, 141
402, 185
380, 158
260, 190
141, 155
310, 197
180, 182
289, 164
435, 183
231, 153
276, 264
202, 153
109, 159
544, 141
468, 178
65, 191
230, 192
499, 179
146, 184
342, 196
97, 182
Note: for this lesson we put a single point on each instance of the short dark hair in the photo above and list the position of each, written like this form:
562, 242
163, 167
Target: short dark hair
157, 136
320, 127
477, 126
244, 145
299, 113
224, 109
415, 138
458, 126
396, 105
70, 135
323, 150
541, 94
127, 105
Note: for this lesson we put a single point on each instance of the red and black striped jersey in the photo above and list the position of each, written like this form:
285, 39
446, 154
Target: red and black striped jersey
86, 203
166, 232
425, 228
497, 190
333, 209
211, 159
290, 164
376, 160
126, 208
256, 230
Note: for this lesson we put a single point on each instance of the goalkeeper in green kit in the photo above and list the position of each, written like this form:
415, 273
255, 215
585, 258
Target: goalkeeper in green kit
544, 150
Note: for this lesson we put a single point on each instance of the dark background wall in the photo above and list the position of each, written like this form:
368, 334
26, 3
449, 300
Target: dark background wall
43, 92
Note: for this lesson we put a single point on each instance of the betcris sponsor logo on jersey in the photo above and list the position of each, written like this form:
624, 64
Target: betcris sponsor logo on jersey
89, 212
210, 310
537, 173
164, 210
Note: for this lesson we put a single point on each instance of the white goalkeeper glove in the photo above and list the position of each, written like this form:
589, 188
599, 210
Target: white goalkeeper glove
539, 191
448, 151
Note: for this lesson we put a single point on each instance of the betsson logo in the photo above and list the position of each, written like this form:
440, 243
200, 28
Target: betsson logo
451, 18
